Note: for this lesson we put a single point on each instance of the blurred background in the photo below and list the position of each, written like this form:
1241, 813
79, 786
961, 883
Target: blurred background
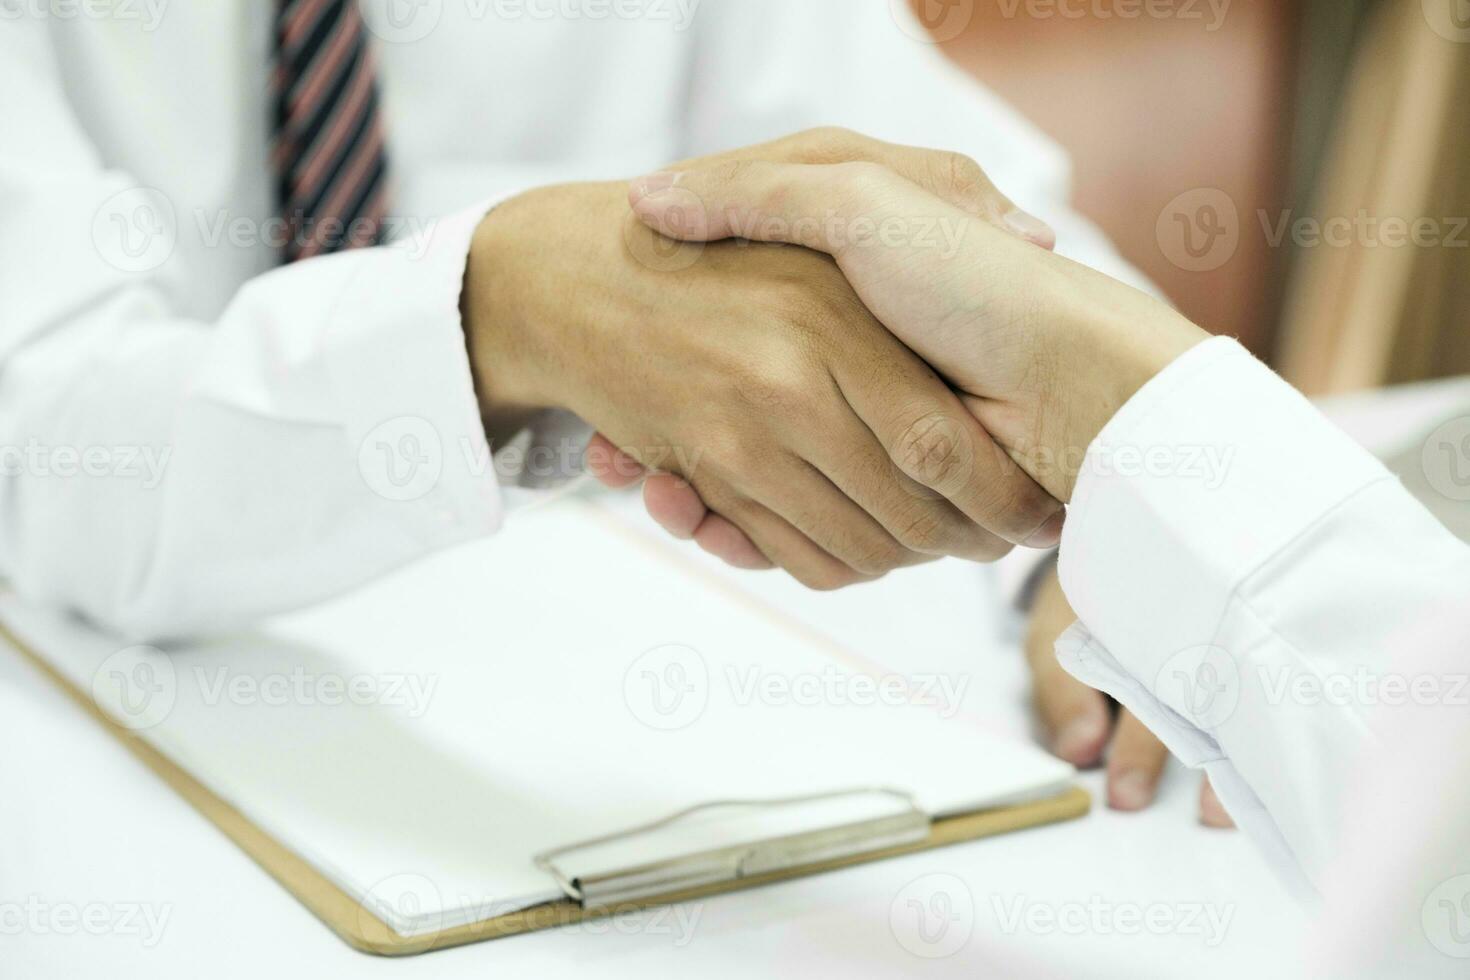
1292, 172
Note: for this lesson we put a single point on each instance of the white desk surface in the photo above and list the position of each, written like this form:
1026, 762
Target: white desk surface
1130, 896
82, 822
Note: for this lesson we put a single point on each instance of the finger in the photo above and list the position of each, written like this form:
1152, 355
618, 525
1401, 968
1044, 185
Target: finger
1135, 764
611, 466
815, 507
730, 544
1211, 810
760, 200
954, 177
1074, 718
677, 508
777, 540
674, 504
935, 441
887, 234
919, 519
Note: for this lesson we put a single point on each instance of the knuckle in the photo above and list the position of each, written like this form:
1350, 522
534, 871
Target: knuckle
784, 386
860, 178
878, 556
830, 144
925, 531
934, 450
962, 174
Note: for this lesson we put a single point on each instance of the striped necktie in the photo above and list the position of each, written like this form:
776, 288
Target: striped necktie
328, 157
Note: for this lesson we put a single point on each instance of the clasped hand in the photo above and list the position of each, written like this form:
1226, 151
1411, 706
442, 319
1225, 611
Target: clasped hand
800, 430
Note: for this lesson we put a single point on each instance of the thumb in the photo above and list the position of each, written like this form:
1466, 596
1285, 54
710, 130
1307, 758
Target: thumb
827, 207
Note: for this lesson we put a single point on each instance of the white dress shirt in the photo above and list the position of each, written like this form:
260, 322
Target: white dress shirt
1293, 622
193, 437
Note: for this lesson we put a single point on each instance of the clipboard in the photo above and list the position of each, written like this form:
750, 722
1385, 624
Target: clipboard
769, 861
373, 921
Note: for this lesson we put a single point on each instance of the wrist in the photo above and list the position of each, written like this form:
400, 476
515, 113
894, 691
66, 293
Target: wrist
1116, 341
504, 358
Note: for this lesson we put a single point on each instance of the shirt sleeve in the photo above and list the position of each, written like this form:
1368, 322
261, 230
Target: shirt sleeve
167, 473
1247, 580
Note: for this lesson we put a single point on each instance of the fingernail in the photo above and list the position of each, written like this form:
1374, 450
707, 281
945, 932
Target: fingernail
1049, 535
1031, 228
654, 183
1130, 790
1080, 741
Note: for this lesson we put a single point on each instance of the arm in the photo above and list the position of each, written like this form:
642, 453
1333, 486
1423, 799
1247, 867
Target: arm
176, 468
328, 423
1224, 543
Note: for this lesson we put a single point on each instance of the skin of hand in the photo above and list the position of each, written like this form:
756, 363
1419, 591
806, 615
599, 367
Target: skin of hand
753, 372
1043, 351
1080, 724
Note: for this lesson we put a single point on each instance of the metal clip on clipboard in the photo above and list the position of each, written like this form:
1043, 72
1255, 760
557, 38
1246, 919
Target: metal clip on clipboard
736, 861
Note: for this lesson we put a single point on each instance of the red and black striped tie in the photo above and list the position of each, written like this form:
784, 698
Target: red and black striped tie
330, 165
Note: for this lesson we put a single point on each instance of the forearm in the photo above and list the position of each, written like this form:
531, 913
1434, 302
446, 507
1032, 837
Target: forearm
1255, 593
252, 464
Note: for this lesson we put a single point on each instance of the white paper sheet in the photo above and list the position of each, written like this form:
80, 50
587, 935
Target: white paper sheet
420, 740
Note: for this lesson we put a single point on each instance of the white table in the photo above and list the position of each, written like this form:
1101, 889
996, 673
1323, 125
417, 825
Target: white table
84, 824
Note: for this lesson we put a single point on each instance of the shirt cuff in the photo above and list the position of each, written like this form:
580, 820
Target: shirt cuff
401, 374
1210, 472
1168, 515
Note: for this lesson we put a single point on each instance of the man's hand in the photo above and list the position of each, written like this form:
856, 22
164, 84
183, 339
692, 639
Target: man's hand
755, 373
1044, 350
1082, 727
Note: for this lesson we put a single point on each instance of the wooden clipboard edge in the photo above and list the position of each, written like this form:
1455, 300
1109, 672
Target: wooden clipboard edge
364, 931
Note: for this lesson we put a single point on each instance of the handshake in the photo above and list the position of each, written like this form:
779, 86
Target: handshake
915, 374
